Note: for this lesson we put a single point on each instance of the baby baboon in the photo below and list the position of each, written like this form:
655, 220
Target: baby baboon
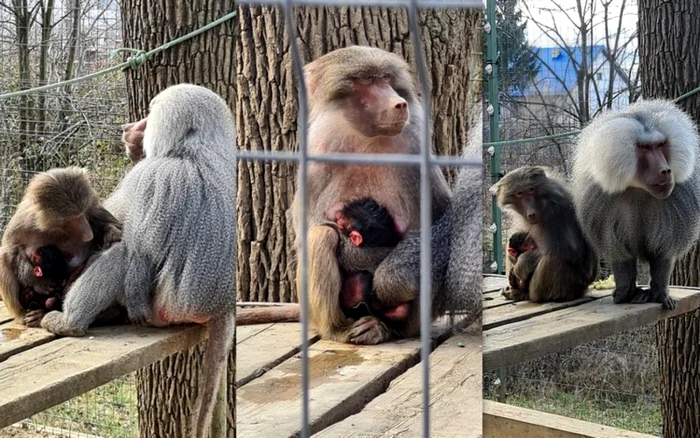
563, 264
176, 261
60, 208
368, 224
518, 244
637, 193
42, 276
368, 234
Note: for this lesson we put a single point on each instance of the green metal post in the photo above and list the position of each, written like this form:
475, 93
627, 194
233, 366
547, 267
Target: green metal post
494, 116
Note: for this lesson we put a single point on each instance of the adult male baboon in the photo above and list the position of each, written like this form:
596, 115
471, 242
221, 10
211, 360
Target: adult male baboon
638, 193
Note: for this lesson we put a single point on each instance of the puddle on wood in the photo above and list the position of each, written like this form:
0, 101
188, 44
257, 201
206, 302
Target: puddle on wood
322, 368
10, 334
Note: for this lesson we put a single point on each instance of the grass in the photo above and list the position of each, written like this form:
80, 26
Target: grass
108, 411
640, 414
613, 382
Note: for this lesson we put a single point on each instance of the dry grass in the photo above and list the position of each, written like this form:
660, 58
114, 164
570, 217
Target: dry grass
613, 381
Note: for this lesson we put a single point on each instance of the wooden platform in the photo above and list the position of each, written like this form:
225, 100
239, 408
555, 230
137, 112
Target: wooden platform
516, 332
355, 391
38, 370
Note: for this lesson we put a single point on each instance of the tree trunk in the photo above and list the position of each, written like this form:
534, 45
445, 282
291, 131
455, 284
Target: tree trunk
670, 66
266, 120
166, 389
266, 112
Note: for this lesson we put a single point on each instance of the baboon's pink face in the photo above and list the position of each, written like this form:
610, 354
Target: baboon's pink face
653, 171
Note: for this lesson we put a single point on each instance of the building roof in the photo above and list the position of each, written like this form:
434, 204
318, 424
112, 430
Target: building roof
557, 70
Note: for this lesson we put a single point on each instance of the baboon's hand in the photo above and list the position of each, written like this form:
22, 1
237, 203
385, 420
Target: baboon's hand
511, 293
138, 314
635, 295
113, 234
667, 302
132, 137
369, 330
33, 318
55, 323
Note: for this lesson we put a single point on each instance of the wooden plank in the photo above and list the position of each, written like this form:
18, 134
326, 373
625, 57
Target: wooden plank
492, 283
342, 379
15, 338
455, 398
267, 349
515, 311
244, 332
44, 376
506, 421
5, 315
553, 332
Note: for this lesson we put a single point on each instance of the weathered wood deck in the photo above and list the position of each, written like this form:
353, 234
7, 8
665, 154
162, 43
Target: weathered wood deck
516, 332
355, 391
38, 370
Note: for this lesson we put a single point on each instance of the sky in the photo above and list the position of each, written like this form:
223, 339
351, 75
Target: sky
547, 12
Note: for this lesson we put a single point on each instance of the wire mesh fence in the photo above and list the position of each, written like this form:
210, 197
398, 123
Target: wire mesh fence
79, 124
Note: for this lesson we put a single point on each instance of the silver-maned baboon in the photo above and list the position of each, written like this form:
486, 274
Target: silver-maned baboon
638, 193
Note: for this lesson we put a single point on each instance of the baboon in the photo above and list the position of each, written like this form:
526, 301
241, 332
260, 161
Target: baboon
132, 137
361, 99
368, 233
176, 261
60, 208
563, 264
42, 277
456, 239
637, 193
368, 224
518, 244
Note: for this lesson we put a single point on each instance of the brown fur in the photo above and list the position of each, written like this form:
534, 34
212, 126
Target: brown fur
50, 199
563, 264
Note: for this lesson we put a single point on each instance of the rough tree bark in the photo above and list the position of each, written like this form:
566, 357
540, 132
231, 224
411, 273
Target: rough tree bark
266, 112
263, 95
167, 388
670, 66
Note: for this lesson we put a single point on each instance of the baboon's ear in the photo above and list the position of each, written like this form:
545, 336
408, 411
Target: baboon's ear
311, 78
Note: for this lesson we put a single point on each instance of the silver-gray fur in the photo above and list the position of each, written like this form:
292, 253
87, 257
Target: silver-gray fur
456, 246
624, 222
176, 260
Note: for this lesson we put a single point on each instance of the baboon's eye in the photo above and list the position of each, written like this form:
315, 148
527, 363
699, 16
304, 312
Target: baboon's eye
386, 76
365, 79
519, 194
531, 190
